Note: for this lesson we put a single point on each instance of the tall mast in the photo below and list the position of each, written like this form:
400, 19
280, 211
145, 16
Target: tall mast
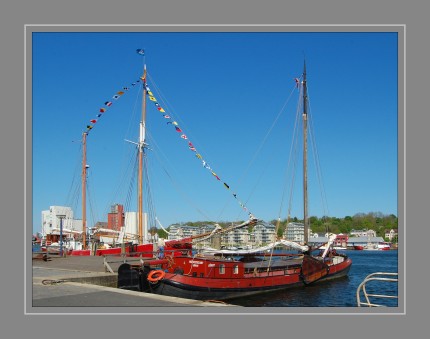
305, 158
84, 189
141, 147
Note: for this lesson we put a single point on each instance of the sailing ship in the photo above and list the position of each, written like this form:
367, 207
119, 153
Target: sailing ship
126, 244
221, 274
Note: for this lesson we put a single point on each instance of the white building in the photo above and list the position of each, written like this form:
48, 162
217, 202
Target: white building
51, 221
295, 232
179, 231
263, 233
362, 233
391, 234
236, 237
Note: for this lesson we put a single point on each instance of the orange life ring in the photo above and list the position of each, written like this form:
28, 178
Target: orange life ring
156, 275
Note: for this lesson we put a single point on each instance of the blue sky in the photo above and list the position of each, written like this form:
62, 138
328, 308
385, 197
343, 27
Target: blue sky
225, 90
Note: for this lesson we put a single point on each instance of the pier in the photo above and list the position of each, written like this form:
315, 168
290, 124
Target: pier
84, 281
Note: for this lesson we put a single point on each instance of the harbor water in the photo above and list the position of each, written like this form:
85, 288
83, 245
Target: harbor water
334, 293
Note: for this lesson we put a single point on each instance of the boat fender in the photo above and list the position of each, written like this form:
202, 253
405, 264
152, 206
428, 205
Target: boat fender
156, 275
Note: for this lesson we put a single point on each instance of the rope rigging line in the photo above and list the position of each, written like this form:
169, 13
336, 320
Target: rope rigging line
263, 142
73, 195
317, 162
103, 109
172, 111
257, 152
165, 162
162, 158
93, 208
149, 202
115, 97
191, 146
294, 150
174, 117
132, 182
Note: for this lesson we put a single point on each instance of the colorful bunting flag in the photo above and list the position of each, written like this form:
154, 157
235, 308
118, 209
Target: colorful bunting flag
190, 145
140, 51
108, 104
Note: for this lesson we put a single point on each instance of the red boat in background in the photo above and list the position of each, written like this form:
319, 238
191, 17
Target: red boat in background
384, 246
146, 250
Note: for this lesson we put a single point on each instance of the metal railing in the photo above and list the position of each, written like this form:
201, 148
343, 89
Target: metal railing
379, 277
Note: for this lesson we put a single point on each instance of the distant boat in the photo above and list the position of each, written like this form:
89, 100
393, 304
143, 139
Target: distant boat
381, 246
323, 247
229, 273
358, 247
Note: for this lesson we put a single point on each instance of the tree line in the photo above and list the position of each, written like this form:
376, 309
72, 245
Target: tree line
376, 221
361, 221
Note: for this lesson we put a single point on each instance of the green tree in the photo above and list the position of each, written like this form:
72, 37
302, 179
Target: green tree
161, 233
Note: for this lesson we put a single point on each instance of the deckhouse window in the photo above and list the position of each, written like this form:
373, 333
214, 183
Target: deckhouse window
235, 269
221, 269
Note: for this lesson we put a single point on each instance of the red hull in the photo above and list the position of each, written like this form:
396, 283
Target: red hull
222, 279
186, 286
146, 250
359, 247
